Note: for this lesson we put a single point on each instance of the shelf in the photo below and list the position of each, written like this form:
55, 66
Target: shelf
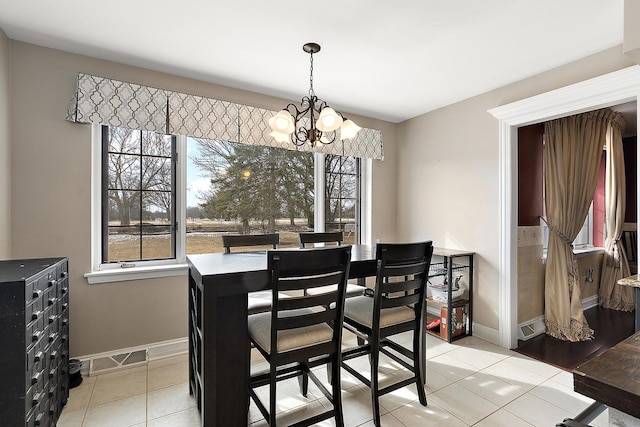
439, 268
455, 303
452, 266
435, 331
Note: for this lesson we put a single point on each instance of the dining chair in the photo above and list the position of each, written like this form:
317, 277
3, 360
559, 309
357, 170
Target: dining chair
629, 239
260, 301
396, 305
244, 240
336, 237
301, 333
320, 237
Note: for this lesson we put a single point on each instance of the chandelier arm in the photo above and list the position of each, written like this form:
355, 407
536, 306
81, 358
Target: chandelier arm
295, 111
328, 141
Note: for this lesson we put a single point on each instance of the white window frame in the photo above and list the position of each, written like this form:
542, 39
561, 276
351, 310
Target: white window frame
116, 272
584, 239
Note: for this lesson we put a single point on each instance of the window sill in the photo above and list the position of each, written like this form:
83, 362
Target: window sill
579, 252
136, 273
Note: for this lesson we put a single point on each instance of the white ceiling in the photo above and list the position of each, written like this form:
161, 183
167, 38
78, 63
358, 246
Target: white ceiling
391, 60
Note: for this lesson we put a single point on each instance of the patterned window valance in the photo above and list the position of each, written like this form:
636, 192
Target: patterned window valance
116, 103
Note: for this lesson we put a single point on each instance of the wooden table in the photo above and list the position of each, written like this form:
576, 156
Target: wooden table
219, 354
613, 378
634, 282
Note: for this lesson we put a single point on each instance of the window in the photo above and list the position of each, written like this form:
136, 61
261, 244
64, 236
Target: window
138, 191
342, 201
158, 198
583, 240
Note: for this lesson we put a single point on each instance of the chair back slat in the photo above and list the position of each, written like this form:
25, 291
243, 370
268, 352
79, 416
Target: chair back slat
318, 280
405, 285
244, 240
400, 301
404, 269
317, 300
321, 237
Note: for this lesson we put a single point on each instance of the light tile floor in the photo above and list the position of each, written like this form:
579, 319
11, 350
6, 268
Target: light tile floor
469, 383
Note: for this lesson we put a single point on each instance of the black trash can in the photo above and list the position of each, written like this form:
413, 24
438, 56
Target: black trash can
75, 376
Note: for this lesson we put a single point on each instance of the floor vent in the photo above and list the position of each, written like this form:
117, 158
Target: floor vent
101, 365
531, 329
527, 330
131, 357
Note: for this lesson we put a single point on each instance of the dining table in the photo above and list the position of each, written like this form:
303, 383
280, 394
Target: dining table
219, 350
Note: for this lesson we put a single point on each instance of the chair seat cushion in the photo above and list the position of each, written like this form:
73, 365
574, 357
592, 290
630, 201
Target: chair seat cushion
292, 339
260, 302
351, 290
360, 309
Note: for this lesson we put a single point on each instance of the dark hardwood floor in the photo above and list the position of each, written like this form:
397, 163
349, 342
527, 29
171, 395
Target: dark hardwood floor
610, 328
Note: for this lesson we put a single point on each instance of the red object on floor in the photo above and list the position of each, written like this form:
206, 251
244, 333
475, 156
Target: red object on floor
433, 324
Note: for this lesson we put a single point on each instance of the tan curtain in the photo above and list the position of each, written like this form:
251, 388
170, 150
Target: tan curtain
614, 263
572, 159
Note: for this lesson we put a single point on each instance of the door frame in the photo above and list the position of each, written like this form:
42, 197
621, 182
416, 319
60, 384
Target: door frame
604, 91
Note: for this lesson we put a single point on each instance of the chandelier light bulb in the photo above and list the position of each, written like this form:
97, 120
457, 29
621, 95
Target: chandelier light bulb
328, 120
349, 130
282, 122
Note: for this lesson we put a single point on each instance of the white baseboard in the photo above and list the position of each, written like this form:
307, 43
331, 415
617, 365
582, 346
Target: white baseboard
126, 358
486, 333
483, 332
590, 302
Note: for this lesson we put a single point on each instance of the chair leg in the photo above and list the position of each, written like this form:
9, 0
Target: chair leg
336, 389
303, 379
374, 358
419, 364
272, 396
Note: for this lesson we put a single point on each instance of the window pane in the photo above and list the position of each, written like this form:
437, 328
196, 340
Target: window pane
122, 140
124, 244
156, 245
244, 189
155, 144
156, 173
124, 171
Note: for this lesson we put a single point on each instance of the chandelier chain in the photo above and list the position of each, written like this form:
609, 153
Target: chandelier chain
311, 92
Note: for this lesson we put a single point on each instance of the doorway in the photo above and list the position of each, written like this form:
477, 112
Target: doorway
611, 89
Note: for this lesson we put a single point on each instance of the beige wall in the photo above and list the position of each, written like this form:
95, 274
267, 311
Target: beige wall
631, 45
530, 273
5, 153
448, 182
50, 202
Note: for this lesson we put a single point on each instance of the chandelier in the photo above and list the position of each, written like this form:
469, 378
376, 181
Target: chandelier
288, 125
